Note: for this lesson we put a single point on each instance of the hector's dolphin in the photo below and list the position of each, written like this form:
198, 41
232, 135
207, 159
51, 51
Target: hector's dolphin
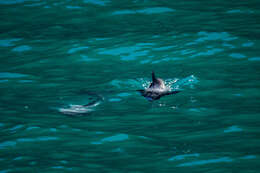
156, 90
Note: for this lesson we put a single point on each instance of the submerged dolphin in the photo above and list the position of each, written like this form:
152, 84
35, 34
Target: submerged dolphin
156, 90
79, 110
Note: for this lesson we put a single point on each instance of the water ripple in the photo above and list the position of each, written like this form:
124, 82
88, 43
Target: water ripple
115, 138
118, 137
8, 42
35, 4
153, 10
41, 138
7, 144
233, 129
239, 11
22, 48
32, 128
248, 44
11, 2
115, 100
254, 59
16, 127
248, 157
209, 52
204, 162
237, 55
211, 36
11, 75
73, 7
77, 49
180, 157
163, 48
124, 94
97, 2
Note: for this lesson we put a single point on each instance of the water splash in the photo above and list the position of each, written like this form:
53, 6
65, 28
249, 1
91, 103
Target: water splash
189, 81
173, 84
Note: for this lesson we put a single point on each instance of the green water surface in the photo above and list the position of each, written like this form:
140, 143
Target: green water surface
61, 53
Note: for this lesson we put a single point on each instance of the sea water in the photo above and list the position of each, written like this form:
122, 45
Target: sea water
69, 73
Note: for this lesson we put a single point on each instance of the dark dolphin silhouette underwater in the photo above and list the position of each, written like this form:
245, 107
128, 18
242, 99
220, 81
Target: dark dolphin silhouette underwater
156, 89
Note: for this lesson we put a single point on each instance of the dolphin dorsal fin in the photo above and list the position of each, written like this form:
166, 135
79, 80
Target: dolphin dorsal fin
153, 77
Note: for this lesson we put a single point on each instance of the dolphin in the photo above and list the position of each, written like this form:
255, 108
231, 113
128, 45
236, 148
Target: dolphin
156, 89
79, 110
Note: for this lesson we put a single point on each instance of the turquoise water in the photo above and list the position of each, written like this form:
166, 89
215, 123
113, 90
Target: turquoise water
57, 56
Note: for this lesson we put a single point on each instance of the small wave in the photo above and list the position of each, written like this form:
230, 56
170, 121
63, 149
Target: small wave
248, 44
237, 55
40, 138
124, 94
11, 2
8, 42
254, 59
7, 75
73, 7
233, 129
77, 49
204, 162
35, 4
32, 128
97, 2
154, 10
115, 138
181, 157
16, 127
248, 157
115, 100
22, 48
7, 144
